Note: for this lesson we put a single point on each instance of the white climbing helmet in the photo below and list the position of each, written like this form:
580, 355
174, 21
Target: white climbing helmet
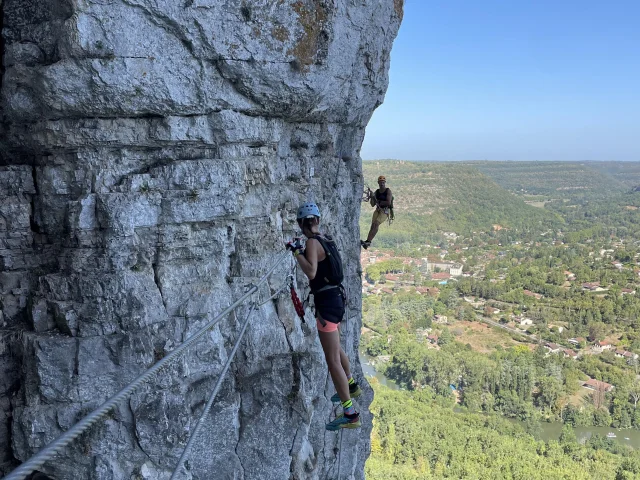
308, 210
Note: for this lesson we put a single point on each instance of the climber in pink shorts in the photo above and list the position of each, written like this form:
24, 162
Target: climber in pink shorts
328, 326
321, 263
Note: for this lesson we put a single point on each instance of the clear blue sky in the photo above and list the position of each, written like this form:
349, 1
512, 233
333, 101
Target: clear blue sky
512, 80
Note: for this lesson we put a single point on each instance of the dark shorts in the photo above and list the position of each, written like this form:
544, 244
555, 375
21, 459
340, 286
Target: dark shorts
330, 305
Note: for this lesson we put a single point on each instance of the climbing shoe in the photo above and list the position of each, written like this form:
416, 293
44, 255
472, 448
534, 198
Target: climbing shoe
344, 421
365, 244
354, 392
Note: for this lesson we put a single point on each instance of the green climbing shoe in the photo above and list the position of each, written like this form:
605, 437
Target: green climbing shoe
343, 421
354, 392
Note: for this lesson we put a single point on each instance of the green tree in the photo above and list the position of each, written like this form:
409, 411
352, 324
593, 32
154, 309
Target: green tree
601, 417
532, 427
568, 435
445, 337
597, 330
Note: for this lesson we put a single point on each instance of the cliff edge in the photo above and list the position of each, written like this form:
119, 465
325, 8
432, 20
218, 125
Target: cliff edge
152, 157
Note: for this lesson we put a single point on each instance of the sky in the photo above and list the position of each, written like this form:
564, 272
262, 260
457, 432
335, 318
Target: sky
512, 80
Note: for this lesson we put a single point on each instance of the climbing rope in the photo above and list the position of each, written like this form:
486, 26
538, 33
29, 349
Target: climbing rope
99, 413
207, 408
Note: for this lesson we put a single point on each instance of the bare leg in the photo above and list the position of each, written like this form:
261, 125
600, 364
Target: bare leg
330, 342
346, 366
344, 360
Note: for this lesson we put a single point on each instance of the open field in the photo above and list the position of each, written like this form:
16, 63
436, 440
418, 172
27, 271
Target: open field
482, 337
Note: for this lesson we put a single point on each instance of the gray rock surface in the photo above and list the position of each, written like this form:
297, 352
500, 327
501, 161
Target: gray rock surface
152, 156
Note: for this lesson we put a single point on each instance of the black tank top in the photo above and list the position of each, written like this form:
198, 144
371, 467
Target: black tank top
323, 271
380, 196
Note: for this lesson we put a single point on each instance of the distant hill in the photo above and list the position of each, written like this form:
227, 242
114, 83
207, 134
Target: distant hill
627, 173
454, 197
584, 194
563, 179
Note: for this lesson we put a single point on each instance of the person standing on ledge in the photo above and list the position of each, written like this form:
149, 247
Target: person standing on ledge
382, 200
321, 263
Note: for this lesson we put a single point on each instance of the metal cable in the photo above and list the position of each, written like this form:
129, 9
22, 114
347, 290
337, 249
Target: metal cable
279, 292
54, 447
342, 429
340, 453
209, 404
346, 305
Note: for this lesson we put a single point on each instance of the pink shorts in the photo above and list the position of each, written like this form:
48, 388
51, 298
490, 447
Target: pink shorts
329, 327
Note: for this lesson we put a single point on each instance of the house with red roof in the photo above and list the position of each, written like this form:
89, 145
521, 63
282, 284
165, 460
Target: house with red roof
440, 276
625, 354
594, 384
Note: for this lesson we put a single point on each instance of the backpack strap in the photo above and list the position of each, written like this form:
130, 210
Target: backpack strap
327, 252
323, 242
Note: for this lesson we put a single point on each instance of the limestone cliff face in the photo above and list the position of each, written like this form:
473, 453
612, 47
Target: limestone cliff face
153, 155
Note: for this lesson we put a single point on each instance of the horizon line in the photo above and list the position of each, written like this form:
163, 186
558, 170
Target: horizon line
502, 161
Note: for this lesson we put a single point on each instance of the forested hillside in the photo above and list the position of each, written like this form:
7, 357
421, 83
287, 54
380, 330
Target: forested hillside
553, 178
508, 289
431, 197
627, 173
417, 436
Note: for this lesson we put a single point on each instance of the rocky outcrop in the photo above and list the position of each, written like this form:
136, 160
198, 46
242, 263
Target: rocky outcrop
153, 154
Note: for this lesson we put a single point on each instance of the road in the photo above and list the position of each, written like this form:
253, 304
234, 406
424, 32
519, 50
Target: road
508, 329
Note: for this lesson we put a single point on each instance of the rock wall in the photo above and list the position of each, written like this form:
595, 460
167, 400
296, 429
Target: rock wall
153, 154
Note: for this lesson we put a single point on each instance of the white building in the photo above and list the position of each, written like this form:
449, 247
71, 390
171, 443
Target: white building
442, 319
433, 262
455, 270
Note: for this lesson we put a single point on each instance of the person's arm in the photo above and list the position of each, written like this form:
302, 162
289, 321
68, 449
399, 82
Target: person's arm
387, 202
309, 261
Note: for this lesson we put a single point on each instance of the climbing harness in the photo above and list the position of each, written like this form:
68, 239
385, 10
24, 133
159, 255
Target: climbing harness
101, 412
388, 211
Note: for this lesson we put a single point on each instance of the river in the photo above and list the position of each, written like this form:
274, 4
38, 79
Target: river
550, 431
369, 371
